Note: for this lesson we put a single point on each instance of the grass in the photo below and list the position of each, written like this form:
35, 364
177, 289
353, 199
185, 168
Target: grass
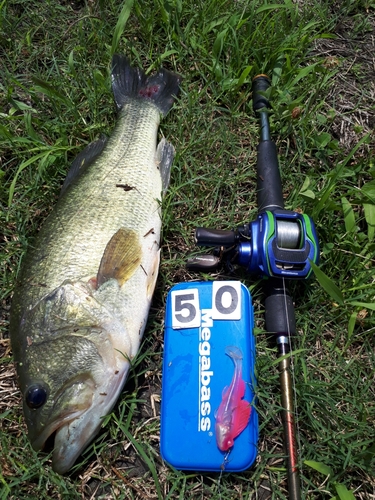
55, 98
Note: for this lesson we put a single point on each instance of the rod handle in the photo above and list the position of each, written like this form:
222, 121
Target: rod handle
279, 309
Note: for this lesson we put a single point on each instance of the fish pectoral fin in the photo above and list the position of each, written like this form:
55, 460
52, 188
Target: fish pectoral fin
241, 417
83, 160
121, 258
153, 276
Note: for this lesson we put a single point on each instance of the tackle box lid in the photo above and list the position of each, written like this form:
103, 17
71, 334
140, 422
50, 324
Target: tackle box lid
202, 319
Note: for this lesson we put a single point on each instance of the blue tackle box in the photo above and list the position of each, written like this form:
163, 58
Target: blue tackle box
202, 319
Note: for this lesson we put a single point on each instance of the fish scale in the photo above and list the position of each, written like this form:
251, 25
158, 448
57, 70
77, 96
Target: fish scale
84, 291
67, 234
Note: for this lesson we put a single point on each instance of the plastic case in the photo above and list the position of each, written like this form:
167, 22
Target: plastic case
202, 319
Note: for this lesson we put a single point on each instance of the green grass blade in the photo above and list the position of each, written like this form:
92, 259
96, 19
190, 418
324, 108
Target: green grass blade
21, 167
343, 492
120, 25
143, 454
319, 466
349, 217
329, 286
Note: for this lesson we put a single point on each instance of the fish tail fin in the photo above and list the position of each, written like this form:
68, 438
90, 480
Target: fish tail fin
233, 352
132, 83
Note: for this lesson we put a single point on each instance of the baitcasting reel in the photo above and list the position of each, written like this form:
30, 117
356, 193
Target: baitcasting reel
278, 244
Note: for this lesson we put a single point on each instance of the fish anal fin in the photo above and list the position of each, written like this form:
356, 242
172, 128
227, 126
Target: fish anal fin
121, 258
153, 275
241, 417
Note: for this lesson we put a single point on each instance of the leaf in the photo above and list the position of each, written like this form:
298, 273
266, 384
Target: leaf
351, 324
349, 217
286, 356
331, 186
366, 305
219, 43
319, 466
366, 455
147, 460
369, 209
368, 190
329, 286
308, 194
243, 76
71, 63
272, 6
306, 184
48, 90
21, 167
343, 492
322, 140
121, 23
302, 73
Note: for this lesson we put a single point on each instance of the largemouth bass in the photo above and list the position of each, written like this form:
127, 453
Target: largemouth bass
82, 300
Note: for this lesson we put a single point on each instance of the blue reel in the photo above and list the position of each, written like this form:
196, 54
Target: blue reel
280, 244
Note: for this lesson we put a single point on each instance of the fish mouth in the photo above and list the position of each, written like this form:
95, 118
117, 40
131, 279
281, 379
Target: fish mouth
52, 430
70, 433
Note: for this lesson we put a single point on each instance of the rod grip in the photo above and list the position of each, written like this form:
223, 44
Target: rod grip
279, 309
269, 187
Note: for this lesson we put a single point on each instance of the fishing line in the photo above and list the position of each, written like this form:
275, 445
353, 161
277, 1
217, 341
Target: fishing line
222, 469
296, 414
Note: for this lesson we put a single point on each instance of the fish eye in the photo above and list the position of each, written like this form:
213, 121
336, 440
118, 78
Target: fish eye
36, 396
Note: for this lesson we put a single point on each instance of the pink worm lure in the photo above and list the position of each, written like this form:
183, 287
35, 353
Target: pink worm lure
234, 412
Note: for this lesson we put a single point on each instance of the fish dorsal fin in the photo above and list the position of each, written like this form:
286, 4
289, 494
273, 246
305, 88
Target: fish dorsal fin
121, 258
164, 158
83, 160
241, 417
153, 275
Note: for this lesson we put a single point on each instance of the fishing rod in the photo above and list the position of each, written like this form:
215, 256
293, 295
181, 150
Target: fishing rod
279, 245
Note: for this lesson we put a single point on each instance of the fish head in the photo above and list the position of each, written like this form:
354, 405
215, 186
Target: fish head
68, 388
70, 373
224, 437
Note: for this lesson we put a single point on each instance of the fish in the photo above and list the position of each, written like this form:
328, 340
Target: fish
82, 299
234, 412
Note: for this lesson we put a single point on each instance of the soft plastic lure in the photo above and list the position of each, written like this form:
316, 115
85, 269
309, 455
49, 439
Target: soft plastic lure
234, 412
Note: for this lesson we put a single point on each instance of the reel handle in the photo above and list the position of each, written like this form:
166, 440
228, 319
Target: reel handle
206, 237
203, 263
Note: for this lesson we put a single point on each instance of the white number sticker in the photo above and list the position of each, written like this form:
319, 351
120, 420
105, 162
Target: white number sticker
226, 300
185, 309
